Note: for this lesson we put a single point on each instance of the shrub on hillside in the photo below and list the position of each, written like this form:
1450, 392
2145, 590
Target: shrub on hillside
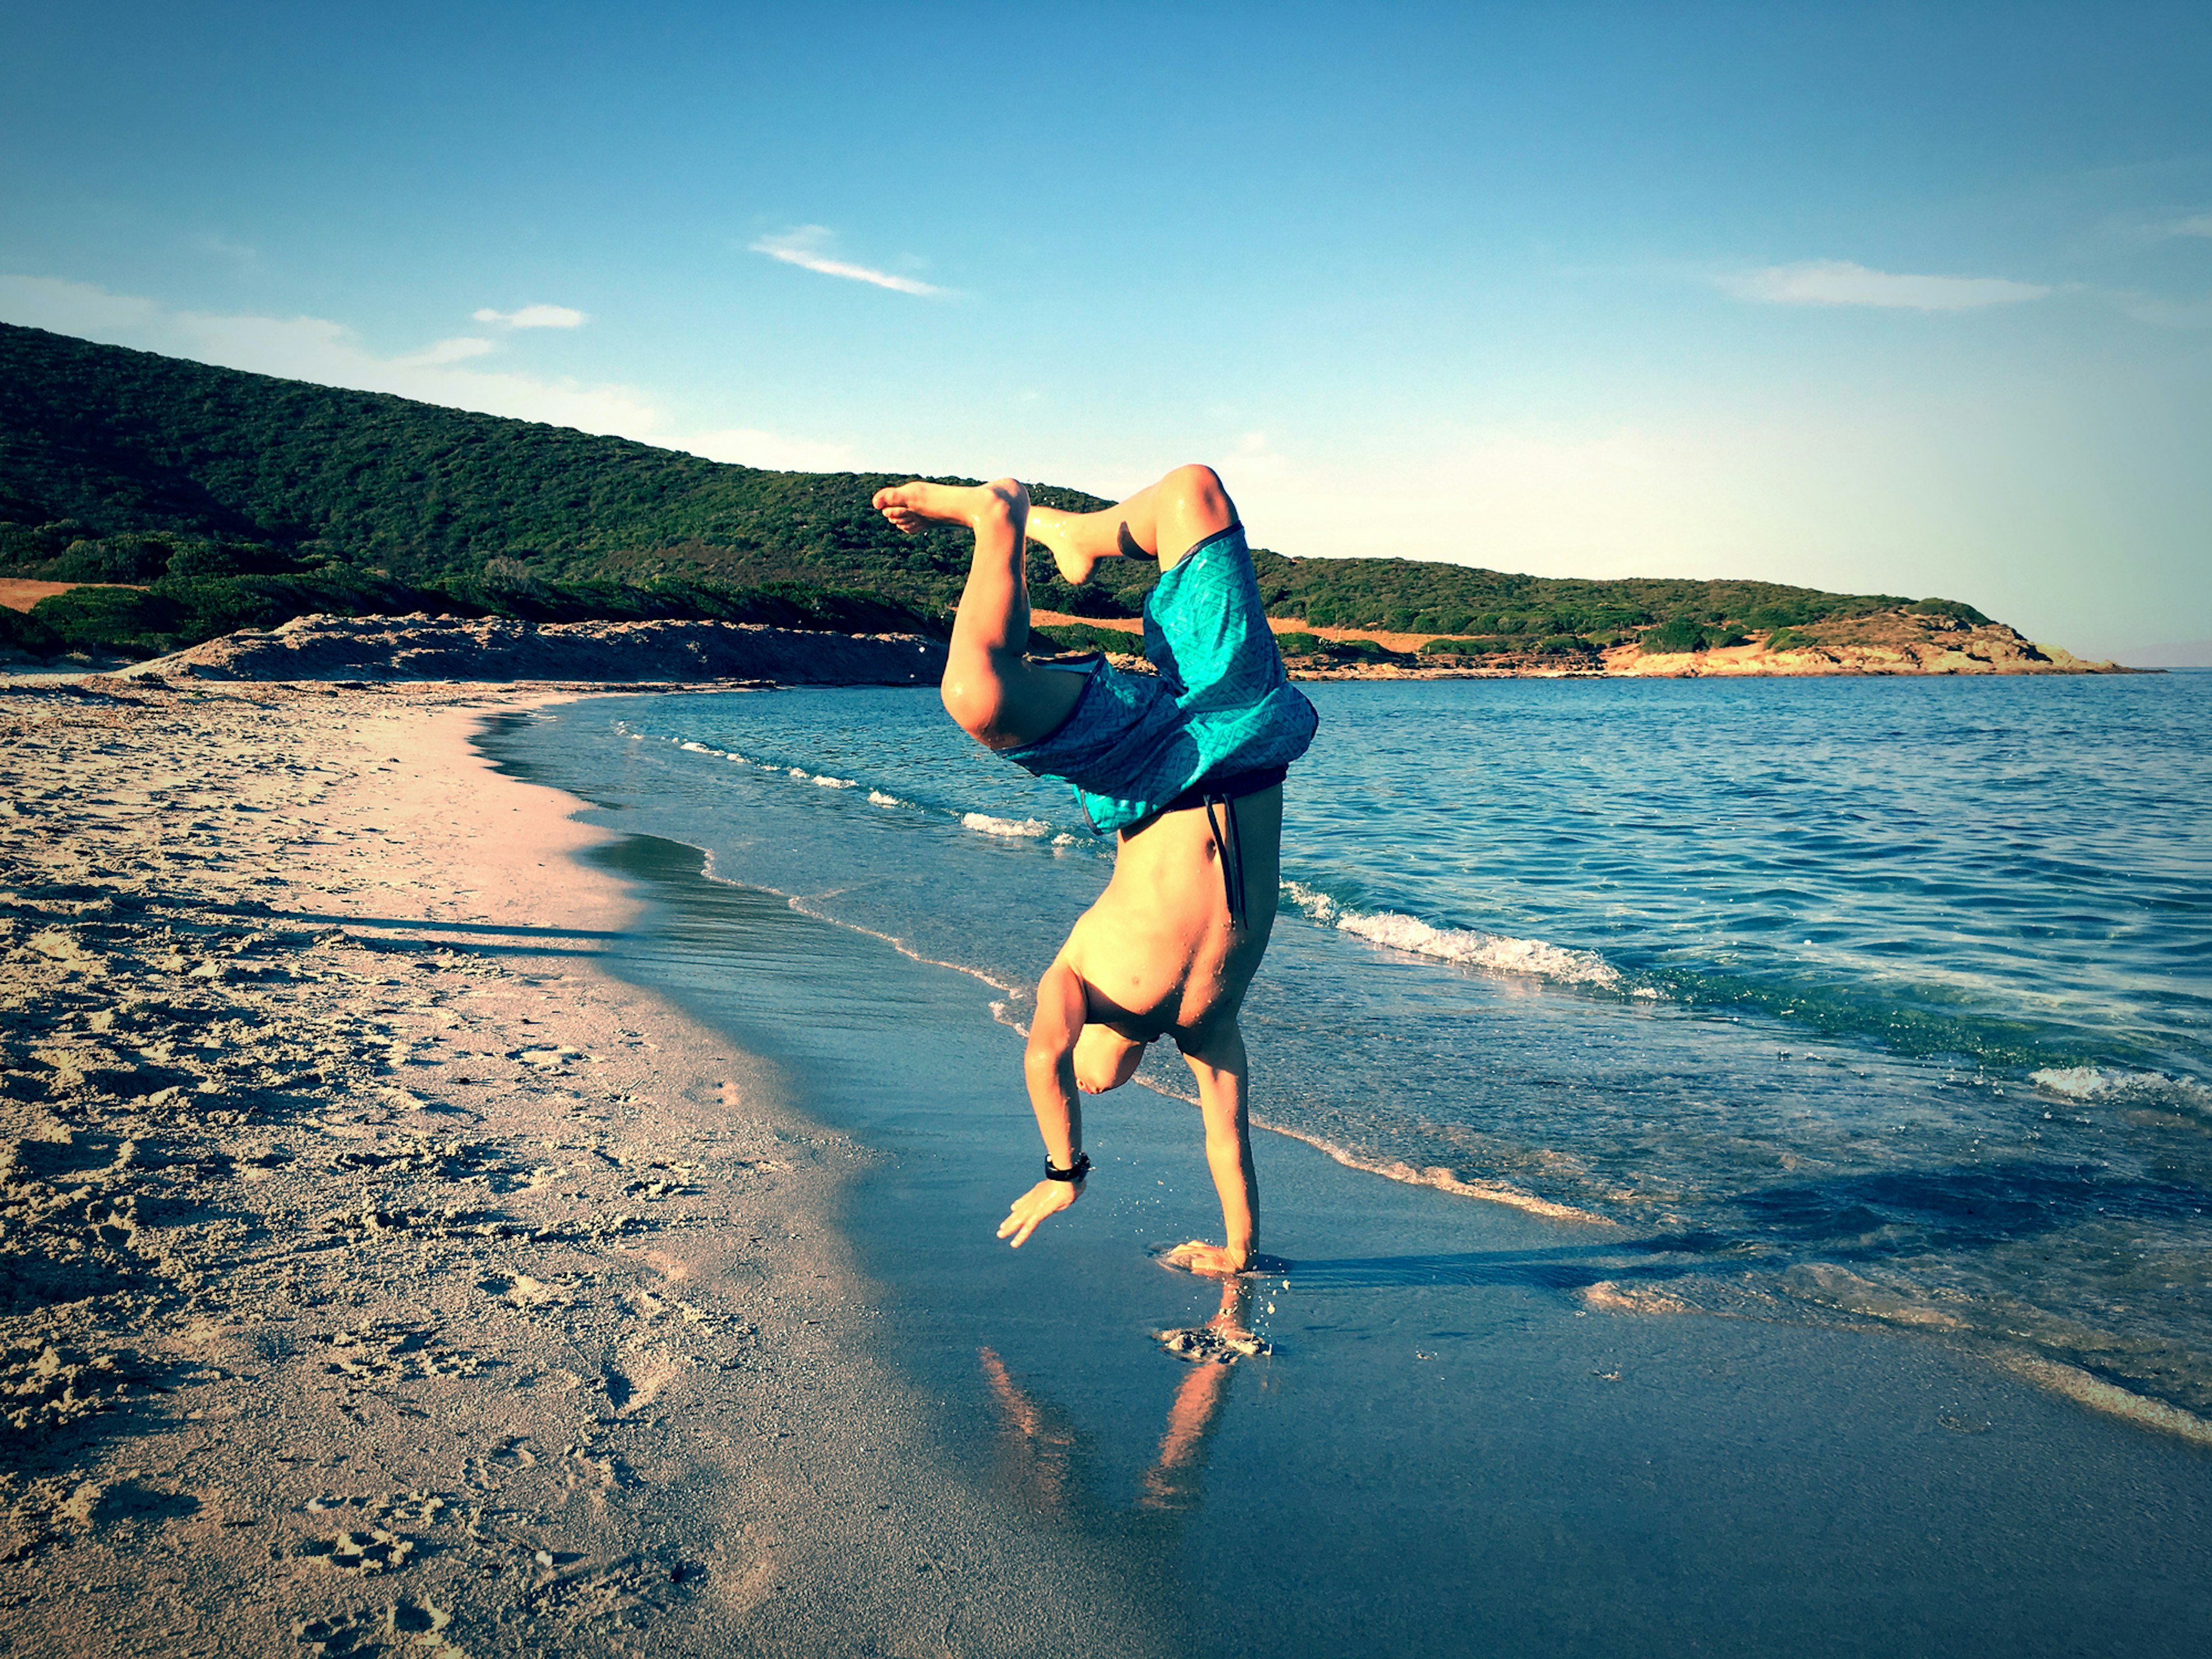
200, 559
125, 621
1676, 634
1076, 636
20, 631
1957, 609
127, 559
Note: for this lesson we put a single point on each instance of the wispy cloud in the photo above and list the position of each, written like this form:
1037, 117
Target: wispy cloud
457, 350
446, 372
807, 248
2197, 224
1839, 282
224, 248
534, 317
2167, 313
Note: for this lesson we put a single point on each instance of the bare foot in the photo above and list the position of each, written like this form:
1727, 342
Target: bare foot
1056, 533
911, 506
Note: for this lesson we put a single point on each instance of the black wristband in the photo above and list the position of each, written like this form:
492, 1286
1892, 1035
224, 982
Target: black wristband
1081, 1169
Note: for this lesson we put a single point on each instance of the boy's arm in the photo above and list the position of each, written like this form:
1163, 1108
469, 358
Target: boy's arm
1050, 1067
1219, 1065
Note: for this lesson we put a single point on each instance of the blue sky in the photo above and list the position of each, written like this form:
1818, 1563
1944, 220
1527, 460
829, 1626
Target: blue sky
1899, 299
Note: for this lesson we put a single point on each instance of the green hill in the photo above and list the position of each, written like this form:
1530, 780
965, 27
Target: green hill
240, 500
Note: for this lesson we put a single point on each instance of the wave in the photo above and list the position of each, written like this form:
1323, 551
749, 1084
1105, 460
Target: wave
2085, 1389
1444, 1180
1436, 1177
2096, 1082
1499, 952
990, 824
1026, 829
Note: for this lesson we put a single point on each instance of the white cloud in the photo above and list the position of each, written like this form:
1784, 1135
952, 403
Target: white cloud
1605, 502
534, 317
2199, 224
805, 248
1839, 282
62, 307
446, 372
748, 446
315, 348
1252, 455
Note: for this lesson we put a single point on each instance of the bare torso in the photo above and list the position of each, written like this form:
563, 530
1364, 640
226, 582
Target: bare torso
1157, 953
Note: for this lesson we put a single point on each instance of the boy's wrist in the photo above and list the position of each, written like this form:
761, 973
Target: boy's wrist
1073, 1173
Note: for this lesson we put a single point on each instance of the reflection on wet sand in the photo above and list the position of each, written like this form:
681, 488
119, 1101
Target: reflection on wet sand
1042, 1453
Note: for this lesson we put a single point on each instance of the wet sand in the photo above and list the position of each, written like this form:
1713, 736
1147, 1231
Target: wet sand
436, 1225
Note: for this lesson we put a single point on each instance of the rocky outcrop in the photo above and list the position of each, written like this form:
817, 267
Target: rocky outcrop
1902, 641
1889, 642
423, 647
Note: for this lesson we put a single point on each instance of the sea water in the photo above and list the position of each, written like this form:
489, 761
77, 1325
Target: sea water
1852, 1000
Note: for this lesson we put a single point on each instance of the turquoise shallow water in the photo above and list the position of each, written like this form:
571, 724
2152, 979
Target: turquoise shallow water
1855, 1000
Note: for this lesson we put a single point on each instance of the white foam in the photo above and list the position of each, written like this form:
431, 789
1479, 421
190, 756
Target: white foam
2092, 1082
829, 782
1063, 840
1030, 829
800, 773
877, 798
2100, 1395
698, 749
907, 950
1444, 1180
1499, 952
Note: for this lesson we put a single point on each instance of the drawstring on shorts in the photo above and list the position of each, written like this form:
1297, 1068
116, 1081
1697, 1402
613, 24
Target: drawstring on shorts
1231, 851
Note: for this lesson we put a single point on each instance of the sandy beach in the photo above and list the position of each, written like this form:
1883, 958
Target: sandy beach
383, 1278
436, 1224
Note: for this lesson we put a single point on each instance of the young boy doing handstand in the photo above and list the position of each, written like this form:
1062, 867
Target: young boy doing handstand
1186, 765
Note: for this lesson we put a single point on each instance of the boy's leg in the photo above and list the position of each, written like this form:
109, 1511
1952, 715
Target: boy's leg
999, 698
1164, 519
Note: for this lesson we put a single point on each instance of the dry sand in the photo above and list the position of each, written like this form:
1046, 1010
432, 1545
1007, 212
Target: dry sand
379, 1276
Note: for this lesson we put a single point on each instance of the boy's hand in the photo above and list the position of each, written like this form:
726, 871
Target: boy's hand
1214, 1261
1034, 1205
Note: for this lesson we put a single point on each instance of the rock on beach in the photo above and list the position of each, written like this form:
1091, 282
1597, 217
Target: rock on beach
426, 647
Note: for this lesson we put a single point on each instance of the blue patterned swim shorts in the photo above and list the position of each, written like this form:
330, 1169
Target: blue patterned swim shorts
1220, 705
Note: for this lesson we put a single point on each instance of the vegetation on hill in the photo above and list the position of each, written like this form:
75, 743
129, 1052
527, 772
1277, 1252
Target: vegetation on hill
236, 500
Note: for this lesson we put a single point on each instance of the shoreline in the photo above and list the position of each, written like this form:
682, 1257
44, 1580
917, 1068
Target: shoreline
383, 1270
